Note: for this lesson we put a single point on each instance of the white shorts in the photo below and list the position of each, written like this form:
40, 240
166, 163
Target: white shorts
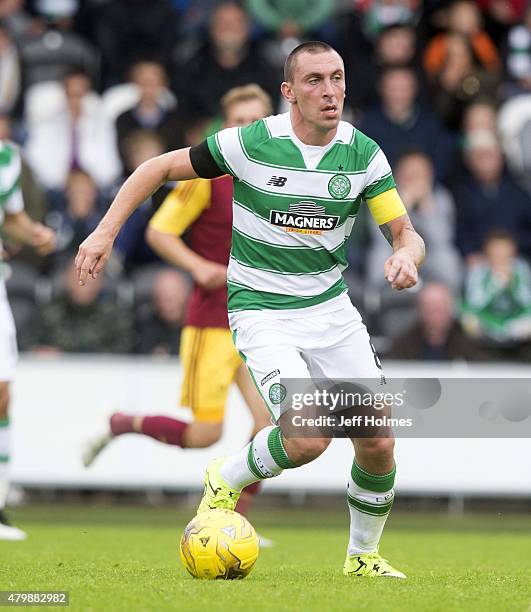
8, 342
333, 345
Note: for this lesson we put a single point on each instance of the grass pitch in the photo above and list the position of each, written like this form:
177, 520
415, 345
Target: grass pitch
127, 559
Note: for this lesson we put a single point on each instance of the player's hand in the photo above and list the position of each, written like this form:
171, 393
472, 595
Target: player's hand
210, 275
93, 254
400, 270
42, 239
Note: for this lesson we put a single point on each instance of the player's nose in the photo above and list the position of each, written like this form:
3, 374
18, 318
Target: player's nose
328, 89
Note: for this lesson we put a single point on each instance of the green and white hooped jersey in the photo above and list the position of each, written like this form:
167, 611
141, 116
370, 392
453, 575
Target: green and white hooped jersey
10, 194
294, 209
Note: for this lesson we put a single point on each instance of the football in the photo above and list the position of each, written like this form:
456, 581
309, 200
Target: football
219, 544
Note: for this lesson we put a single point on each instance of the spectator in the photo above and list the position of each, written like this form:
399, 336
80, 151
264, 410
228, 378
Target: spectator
515, 114
129, 31
54, 52
431, 209
295, 19
514, 123
496, 309
154, 111
159, 325
464, 19
487, 198
394, 46
10, 77
500, 15
479, 116
437, 335
228, 60
459, 81
400, 122
82, 136
17, 20
380, 14
131, 244
193, 16
76, 213
83, 320
519, 49
286, 24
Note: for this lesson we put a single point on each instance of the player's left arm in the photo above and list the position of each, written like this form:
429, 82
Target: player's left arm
21, 228
401, 269
17, 224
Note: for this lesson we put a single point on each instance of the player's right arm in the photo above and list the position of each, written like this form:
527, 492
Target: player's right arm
94, 252
178, 211
207, 160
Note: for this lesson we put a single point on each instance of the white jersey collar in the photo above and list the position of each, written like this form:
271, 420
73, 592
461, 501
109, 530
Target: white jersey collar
280, 127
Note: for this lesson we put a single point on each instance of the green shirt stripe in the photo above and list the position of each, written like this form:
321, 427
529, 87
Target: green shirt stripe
293, 260
245, 298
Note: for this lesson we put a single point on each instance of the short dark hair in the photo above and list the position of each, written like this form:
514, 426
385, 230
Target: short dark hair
75, 70
412, 151
312, 46
385, 71
499, 233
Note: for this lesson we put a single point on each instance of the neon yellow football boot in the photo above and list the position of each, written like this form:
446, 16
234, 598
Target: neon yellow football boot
217, 492
370, 565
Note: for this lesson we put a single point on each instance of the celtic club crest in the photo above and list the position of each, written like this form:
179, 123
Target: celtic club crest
339, 186
277, 393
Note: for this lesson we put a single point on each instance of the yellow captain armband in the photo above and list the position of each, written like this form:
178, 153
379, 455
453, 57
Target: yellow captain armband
386, 206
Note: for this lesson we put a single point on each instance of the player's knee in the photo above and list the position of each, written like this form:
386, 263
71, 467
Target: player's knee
377, 450
307, 449
4, 399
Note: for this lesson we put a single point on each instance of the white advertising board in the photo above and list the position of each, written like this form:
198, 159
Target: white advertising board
60, 403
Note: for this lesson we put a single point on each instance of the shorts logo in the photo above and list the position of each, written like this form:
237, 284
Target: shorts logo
339, 186
304, 217
277, 393
269, 377
277, 181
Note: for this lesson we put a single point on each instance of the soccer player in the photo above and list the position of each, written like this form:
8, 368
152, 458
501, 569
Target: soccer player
299, 179
210, 360
17, 225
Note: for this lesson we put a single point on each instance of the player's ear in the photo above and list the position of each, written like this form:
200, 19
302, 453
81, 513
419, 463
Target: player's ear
287, 93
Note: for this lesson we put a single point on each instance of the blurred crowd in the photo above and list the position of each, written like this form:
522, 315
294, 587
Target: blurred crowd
90, 89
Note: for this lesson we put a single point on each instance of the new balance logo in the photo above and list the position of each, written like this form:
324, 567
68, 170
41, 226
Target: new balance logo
277, 181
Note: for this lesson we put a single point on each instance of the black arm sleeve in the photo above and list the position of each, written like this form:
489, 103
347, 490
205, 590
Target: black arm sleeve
203, 163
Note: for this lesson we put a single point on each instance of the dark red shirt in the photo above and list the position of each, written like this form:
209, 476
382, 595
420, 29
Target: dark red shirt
210, 236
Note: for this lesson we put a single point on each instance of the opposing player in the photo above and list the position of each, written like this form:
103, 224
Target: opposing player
299, 179
210, 360
17, 225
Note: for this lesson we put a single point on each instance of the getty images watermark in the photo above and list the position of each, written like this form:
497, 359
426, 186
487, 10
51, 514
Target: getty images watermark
340, 401
413, 407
